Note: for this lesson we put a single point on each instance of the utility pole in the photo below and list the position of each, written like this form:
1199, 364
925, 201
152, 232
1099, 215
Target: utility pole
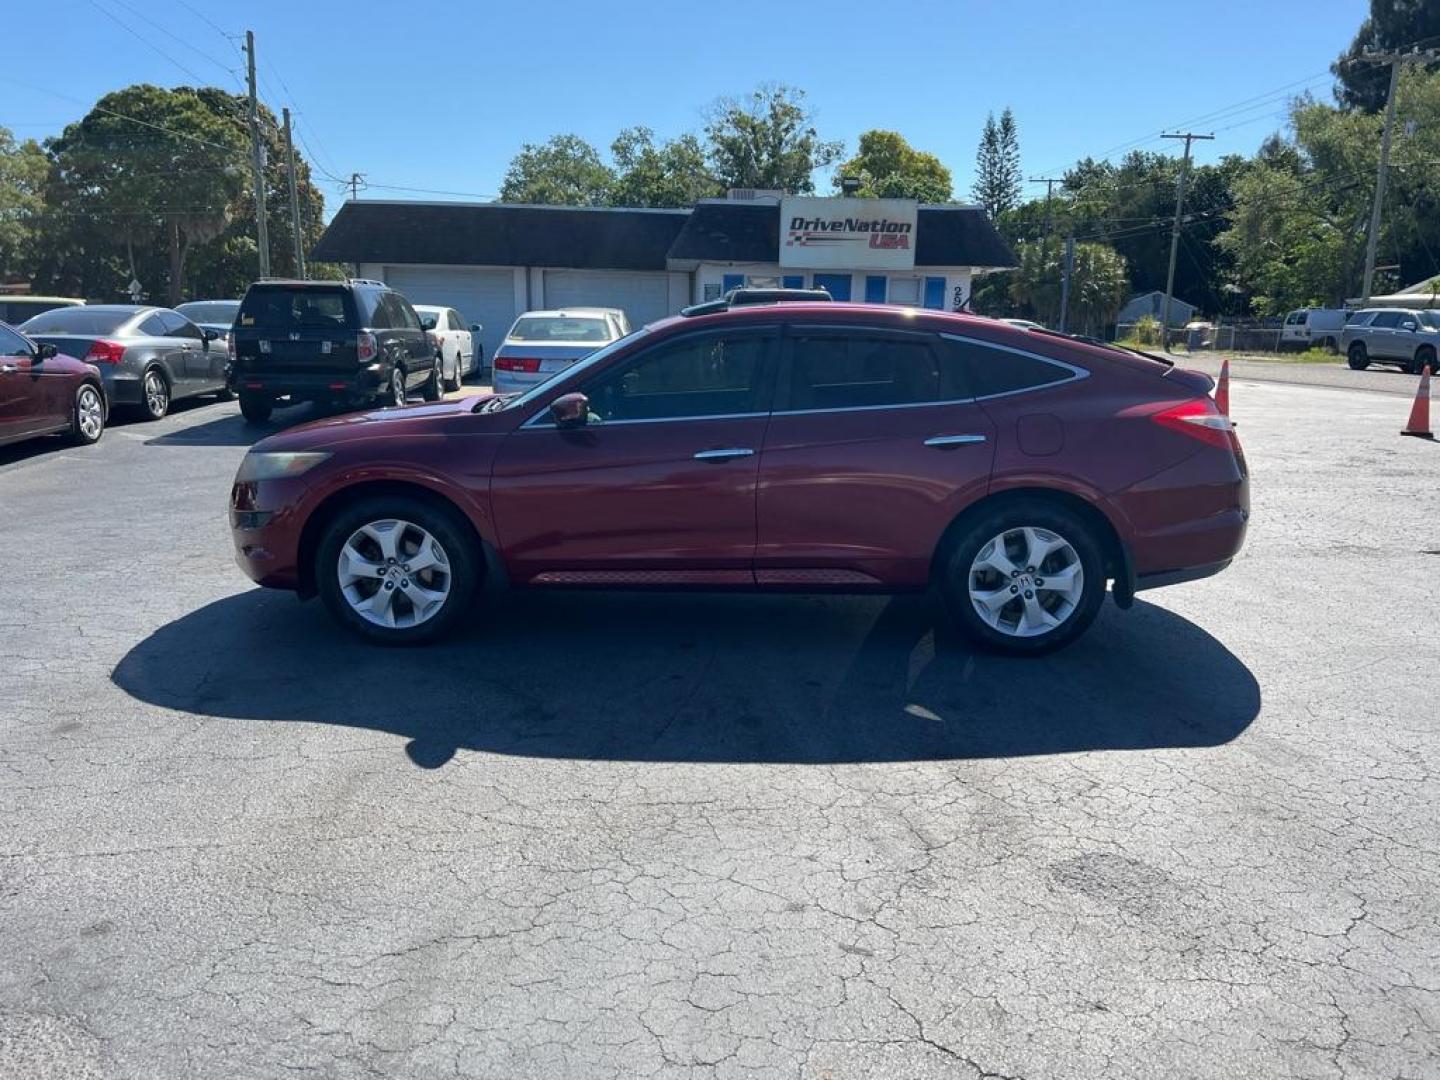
355, 180
1065, 282
294, 199
1396, 60
257, 160
1189, 137
1049, 183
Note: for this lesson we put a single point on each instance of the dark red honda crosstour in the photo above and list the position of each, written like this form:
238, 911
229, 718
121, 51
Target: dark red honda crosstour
804, 447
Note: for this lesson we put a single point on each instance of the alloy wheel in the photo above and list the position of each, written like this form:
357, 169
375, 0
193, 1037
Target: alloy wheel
157, 394
1026, 582
394, 574
397, 387
90, 413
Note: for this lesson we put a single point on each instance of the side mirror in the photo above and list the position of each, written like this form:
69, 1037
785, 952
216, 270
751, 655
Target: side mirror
211, 335
45, 351
570, 410
475, 328
1408, 325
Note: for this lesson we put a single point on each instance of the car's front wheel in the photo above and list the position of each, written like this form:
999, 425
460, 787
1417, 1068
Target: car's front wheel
1026, 578
87, 421
430, 388
1357, 357
1424, 357
397, 571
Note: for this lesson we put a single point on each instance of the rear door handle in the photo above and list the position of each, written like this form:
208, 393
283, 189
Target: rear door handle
724, 455
942, 441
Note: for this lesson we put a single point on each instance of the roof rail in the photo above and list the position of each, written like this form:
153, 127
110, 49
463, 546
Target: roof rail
366, 281
746, 297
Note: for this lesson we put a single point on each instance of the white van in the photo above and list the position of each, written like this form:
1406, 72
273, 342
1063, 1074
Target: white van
1313, 327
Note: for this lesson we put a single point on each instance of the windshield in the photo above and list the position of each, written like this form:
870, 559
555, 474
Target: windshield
77, 320
574, 369
210, 311
563, 329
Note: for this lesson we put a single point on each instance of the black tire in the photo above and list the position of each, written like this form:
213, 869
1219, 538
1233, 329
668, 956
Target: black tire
462, 554
1424, 357
1358, 358
395, 394
87, 415
1005, 520
256, 408
430, 389
154, 394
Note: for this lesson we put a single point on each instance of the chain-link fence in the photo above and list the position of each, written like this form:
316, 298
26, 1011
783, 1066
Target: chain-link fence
1249, 335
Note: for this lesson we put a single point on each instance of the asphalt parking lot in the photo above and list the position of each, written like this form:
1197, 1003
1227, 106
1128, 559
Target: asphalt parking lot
616, 835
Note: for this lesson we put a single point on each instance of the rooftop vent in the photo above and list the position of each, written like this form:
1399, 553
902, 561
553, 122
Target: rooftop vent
750, 194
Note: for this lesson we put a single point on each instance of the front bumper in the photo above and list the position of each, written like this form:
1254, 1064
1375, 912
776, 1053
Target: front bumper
267, 541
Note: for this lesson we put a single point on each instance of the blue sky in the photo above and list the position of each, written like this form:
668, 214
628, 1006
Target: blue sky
439, 95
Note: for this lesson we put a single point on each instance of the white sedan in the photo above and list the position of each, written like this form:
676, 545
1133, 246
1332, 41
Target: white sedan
455, 343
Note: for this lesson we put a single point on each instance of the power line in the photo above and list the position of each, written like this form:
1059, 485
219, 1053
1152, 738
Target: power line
179, 40
144, 40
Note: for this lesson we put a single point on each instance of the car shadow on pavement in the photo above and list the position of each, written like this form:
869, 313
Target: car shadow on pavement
232, 429
703, 678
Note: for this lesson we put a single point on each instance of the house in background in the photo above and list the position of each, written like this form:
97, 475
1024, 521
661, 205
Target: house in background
1152, 304
492, 261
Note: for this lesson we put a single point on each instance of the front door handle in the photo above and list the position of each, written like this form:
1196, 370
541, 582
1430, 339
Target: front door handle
942, 441
9, 369
724, 455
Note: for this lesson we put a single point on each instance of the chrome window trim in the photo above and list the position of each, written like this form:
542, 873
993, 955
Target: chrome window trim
875, 408
531, 423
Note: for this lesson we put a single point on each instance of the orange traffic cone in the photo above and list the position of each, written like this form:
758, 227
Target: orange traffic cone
1222, 388
1419, 424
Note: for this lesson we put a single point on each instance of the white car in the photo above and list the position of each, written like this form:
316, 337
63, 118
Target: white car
544, 342
1310, 327
455, 343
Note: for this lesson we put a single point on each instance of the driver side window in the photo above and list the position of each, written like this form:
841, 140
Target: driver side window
12, 344
709, 375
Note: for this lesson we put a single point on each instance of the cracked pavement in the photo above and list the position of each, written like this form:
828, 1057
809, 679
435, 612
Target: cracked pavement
609, 835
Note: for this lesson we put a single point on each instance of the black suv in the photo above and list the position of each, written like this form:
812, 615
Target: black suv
341, 343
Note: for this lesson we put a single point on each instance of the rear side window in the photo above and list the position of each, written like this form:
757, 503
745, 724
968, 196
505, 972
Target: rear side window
857, 371
153, 325
402, 315
1386, 318
993, 371
281, 308
1360, 318
176, 325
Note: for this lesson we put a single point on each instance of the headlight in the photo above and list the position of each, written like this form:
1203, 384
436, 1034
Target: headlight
277, 465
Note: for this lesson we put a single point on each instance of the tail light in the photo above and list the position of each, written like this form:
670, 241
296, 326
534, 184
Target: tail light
433, 338
516, 363
230, 344
1200, 419
366, 347
106, 352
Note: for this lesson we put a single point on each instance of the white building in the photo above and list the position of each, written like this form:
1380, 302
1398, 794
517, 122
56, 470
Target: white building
492, 261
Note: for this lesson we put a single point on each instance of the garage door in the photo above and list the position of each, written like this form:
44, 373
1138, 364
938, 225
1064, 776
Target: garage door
643, 297
486, 297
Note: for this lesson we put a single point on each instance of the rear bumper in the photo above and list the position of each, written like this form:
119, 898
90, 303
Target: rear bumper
121, 387
311, 386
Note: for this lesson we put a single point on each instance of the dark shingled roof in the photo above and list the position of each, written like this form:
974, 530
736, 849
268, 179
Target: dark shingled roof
497, 234
750, 232
500, 234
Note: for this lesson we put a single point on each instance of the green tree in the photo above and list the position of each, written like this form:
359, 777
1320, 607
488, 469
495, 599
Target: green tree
23, 167
888, 167
1391, 24
767, 140
1099, 284
151, 166
672, 173
997, 165
564, 171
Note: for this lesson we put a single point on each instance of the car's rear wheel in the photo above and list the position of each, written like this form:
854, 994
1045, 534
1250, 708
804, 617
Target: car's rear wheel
397, 395
397, 570
1424, 357
154, 394
87, 422
1357, 357
1026, 578
256, 408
